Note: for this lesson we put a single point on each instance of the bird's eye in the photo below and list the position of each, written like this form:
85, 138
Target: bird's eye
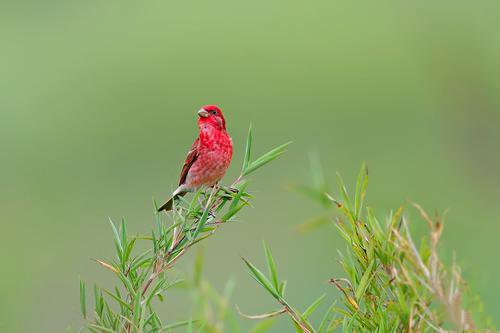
213, 112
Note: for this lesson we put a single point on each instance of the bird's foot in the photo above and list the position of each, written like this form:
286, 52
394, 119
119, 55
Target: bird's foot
230, 190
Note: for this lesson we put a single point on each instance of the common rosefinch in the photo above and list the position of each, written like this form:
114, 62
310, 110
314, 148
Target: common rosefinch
209, 157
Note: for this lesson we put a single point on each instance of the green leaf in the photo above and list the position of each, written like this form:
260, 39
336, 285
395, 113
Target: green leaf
237, 197
126, 282
156, 290
266, 158
118, 244
232, 212
98, 301
155, 243
102, 328
202, 221
137, 309
271, 265
361, 185
311, 308
123, 230
129, 248
116, 298
326, 317
248, 150
83, 299
282, 288
261, 279
365, 279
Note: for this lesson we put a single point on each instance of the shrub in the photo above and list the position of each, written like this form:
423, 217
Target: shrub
390, 284
141, 277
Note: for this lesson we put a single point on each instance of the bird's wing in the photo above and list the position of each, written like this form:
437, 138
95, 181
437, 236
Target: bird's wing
190, 159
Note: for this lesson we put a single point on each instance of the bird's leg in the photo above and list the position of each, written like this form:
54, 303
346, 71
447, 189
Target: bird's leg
233, 190
230, 191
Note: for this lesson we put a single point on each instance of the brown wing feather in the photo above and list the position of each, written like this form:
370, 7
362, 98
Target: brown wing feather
190, 159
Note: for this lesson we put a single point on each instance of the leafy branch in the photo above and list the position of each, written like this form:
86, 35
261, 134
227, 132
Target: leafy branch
277, 289
142, 277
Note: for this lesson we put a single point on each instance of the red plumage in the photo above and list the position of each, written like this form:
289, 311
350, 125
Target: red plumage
209, 157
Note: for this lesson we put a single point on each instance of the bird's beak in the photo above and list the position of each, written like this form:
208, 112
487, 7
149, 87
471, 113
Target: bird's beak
203, 113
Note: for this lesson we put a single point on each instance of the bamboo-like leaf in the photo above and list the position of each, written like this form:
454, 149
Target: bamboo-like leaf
129, 248
137, 309
241, 191
271, 265
155, 242
102, 328
266, 158
123, 230
248, 150
282, 288
261, 279
229, 214
118, 244
98, 301
311, 308
360, 190
363, 283
116, 298
156, 290
83, 299
326, 317
128, 285
201, 222
345, 195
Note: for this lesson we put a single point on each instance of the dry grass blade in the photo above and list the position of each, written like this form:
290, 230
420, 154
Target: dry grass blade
262, 316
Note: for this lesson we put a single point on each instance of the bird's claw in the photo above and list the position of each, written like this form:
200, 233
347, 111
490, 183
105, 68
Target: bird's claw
230, 190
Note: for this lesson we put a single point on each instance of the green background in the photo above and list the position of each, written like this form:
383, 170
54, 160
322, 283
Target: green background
98, 106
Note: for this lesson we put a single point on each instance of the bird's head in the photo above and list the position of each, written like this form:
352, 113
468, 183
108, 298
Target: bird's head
211, 115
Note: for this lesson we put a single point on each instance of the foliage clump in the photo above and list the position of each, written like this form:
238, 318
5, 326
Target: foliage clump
391, 285
142, 277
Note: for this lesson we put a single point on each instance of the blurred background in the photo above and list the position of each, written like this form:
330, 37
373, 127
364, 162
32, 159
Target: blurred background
98, 106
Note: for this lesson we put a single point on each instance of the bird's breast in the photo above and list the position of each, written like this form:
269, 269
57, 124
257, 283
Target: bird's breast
214, 157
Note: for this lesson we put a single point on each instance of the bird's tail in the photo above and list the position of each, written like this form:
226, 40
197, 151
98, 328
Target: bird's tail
167, 206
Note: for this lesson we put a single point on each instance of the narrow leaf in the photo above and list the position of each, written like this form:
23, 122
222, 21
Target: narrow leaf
365, 279
266, 158
271, 265
248, 150
261, 279
83, 299
311, 308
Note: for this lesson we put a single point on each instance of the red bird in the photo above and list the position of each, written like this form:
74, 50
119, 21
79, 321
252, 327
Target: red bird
209, 157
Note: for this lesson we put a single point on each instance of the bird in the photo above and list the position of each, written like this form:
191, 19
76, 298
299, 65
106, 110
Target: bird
208, 159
